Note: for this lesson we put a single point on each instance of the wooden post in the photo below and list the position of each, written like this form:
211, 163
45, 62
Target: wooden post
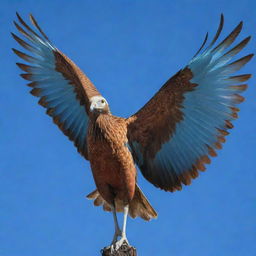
124, 250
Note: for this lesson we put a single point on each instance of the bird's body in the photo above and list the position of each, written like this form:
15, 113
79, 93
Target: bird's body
111, 161
170, 138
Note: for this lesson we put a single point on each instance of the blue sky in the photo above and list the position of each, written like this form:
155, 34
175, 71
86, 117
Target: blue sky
128, 49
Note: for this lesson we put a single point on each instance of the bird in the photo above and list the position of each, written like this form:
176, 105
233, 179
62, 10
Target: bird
170, 139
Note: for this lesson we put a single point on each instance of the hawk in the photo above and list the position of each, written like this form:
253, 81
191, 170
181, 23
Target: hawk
170, 138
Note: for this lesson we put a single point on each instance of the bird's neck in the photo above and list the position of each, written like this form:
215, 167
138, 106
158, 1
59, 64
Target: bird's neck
97, 124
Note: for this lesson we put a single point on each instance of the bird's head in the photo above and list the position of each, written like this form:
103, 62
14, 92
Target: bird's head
99, 105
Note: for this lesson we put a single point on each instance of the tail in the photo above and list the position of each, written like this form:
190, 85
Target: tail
138, 207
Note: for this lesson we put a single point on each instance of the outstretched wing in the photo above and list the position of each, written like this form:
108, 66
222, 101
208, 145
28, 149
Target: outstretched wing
63, 89
173, 134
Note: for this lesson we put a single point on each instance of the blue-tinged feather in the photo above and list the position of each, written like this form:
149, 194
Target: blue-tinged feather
76, 125
54, 82
71, 119
54, 93
60, 101
135, 146
66, 112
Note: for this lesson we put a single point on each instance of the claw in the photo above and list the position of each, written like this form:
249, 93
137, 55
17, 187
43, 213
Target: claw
115, 245
112, 249
119, 243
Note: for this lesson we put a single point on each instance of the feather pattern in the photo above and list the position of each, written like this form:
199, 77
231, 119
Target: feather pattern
61, 86
173, 134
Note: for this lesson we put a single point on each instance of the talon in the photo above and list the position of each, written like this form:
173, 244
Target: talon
120, 242
112, 249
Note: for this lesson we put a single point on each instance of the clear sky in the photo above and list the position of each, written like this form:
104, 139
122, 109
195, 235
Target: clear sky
128, 49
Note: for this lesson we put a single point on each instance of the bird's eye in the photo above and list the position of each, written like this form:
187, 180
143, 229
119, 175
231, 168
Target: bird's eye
102, 101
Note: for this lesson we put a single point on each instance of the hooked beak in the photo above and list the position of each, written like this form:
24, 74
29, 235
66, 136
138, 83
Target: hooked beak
92, 107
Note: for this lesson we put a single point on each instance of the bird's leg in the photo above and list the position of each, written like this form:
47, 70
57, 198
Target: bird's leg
126, 211
117, 229
123, 239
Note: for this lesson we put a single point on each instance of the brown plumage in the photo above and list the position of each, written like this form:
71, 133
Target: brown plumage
111, 161
170, 139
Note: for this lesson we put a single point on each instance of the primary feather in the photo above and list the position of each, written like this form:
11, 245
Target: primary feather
63, 89
174, 134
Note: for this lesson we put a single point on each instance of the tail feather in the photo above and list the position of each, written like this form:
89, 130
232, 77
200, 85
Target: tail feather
98, 200
139, 206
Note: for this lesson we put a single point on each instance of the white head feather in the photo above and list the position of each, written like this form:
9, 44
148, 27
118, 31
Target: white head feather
98, 103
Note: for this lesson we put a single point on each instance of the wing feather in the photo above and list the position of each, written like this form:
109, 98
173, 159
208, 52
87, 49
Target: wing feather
173, 135
63, 89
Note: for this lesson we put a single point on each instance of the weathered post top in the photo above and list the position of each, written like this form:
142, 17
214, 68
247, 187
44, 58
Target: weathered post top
124, 250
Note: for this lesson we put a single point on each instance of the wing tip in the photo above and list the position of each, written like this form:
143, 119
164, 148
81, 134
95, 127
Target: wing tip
13, 35
250, 56
22, 66
26, 76
17, 15
15, 51
19, 18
